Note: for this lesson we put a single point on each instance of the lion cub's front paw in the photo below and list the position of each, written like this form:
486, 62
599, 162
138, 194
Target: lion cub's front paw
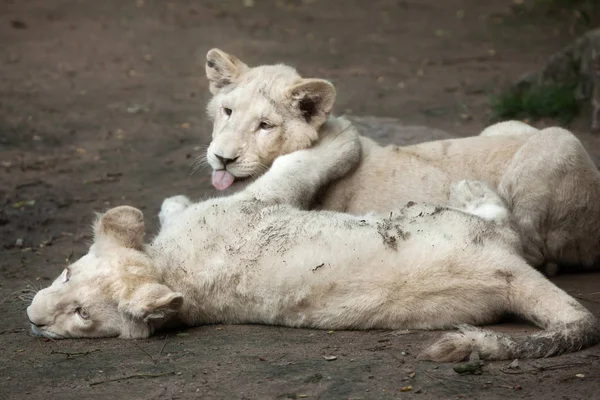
339, 151
477, 198
172, 206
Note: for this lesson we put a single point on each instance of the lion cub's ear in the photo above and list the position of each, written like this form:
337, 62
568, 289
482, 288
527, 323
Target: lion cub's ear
152, 301
124, 225
222, 69
314, 98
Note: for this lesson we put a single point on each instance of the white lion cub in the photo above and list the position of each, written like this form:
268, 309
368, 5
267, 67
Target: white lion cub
546, 177
257, 257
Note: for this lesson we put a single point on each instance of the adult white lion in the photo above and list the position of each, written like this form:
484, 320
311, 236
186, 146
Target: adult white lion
256, 257
546, 177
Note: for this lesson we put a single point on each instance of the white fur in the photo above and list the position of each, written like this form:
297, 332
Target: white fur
258, 257
545, 177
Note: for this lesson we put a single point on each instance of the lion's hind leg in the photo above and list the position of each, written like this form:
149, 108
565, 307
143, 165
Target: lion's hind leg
567, 325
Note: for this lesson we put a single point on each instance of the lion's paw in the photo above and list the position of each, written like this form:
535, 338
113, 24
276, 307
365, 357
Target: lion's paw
172, 206
477, 198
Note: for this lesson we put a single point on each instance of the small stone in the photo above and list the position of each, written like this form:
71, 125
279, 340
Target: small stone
330, 358
19, 242
580, 375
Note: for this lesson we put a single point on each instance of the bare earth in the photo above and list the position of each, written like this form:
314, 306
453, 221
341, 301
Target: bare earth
102, 104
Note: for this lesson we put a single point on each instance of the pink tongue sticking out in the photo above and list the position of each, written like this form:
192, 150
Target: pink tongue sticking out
222, 179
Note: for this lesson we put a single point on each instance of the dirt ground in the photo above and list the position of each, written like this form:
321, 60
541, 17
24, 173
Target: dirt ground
102, 104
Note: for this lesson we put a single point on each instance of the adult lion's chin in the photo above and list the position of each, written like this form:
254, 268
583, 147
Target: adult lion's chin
45, 334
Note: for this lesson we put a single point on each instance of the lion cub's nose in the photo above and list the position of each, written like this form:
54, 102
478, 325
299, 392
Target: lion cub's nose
225, 160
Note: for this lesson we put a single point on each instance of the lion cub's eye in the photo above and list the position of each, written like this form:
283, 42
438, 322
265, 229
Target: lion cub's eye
227, 111
264, 125
82, 313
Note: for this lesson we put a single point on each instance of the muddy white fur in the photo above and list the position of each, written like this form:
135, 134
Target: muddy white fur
545, 177
258, 257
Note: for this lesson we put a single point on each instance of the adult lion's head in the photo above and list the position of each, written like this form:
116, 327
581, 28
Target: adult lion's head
111, 291
259, 114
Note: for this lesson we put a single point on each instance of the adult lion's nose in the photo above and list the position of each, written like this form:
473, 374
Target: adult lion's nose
225, 160
38, 325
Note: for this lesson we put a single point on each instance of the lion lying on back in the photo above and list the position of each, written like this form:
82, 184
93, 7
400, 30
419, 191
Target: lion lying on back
257, 257
545, 177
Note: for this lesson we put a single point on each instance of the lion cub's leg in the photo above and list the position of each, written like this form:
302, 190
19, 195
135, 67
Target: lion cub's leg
552, 187
477, 198
296, 178
172, 206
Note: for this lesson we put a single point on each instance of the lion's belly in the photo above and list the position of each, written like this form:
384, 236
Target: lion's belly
338, 271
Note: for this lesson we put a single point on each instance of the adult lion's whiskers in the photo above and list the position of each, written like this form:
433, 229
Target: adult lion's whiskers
201, 147
199, 163
25, 294
262, 168
36, 286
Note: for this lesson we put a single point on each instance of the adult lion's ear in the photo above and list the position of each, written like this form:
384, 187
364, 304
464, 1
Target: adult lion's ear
314, 98
124, 225
222, 69
151, 301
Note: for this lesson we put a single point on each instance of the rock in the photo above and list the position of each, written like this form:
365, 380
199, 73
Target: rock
391, 131
514, 364
577, 65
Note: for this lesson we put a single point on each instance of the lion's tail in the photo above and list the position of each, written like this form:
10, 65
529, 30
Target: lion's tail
567, 327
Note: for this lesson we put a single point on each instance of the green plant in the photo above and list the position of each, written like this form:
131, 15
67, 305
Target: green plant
537, 101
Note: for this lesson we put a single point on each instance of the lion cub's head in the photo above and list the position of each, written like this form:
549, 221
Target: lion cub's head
259, 114
111, 291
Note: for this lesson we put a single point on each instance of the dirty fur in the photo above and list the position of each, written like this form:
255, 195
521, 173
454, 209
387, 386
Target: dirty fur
259, 256
545, 177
